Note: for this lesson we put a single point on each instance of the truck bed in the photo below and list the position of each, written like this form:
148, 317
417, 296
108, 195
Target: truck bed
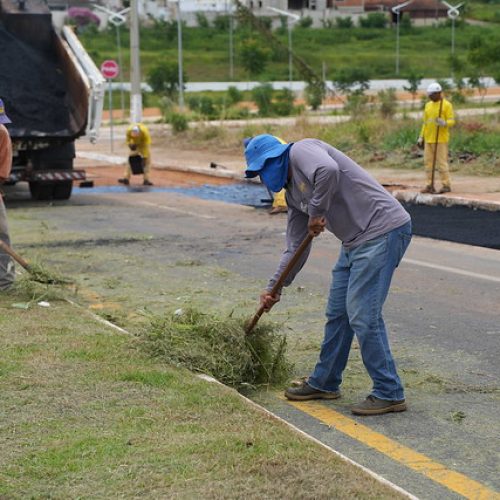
44, 95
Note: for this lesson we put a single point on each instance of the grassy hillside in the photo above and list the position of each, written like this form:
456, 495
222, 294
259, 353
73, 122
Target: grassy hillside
424, 50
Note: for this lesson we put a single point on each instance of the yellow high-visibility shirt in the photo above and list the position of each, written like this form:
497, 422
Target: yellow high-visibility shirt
143, 141
431, 113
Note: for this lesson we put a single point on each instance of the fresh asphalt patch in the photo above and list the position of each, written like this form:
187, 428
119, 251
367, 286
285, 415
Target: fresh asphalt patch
457, 223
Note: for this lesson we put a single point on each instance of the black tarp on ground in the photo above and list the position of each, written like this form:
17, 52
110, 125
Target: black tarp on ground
33, 88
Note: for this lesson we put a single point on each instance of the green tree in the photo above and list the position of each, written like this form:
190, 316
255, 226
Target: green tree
414, 81
201, 20
352, 80
253, 56
164, 79
315, 93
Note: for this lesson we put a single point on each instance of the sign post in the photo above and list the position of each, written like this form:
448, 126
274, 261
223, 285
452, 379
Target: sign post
110, 70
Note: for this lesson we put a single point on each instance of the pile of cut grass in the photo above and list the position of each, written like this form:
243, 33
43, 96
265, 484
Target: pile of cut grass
218, 346
38, 272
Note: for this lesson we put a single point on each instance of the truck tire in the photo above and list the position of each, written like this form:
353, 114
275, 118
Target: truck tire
62, 190
41, 190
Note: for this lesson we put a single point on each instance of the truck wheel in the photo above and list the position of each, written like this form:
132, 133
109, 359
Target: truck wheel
62, 190
41, 190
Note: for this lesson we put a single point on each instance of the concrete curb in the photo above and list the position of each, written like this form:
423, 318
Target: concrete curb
417, 198
405, 196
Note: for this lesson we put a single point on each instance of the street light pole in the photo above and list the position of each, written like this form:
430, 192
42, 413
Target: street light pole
453, 13
231, 48
294, 18
179, 55
135, 65
397, 10
117, 19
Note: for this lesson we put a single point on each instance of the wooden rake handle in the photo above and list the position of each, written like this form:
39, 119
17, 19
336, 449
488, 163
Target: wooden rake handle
279, 283
7, 249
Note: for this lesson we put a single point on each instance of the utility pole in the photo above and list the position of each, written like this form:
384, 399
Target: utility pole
135, 65
397, 10
179, 55
290, 19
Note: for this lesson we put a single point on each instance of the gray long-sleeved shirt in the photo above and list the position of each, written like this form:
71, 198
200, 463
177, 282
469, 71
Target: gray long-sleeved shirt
326, 182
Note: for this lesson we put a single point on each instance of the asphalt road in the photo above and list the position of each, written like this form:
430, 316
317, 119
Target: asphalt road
443, 316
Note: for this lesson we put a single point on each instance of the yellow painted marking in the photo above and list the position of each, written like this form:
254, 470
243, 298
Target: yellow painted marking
459, 483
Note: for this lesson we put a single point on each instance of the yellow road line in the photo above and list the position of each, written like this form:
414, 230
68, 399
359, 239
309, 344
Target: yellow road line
459, 483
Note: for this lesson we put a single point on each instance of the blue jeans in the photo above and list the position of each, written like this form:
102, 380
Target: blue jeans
361, 281
7, 271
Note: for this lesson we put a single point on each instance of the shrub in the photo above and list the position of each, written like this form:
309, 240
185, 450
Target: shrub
263, 97
344, 22
201, 20
305, 22
283, 105
388, 102
373, 20
221, 22
179, 122
234, 96
315, 93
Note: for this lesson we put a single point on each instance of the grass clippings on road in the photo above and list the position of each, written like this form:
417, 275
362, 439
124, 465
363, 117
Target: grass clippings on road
87, 414
217, 345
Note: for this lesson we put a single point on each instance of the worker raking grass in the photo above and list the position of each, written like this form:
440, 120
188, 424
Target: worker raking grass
218, 346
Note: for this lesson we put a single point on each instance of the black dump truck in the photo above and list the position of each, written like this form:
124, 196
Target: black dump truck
53, 94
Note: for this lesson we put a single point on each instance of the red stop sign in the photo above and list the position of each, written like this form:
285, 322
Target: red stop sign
110, 69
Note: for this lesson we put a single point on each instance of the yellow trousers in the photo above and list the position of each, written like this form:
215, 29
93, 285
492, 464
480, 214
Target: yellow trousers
147, 169
441, 162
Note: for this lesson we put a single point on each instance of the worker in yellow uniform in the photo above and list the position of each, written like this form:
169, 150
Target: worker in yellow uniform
139, 141
434, 137
279, 203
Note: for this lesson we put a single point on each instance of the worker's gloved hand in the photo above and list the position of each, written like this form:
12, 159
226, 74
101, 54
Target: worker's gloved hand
132, 147
420, 142
267, 300
316, 225
441, 122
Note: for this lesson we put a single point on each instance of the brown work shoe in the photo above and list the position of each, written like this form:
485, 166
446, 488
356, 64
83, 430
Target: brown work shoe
124, 181
375, 406
444, 189
147, 183
428, 189
304, 392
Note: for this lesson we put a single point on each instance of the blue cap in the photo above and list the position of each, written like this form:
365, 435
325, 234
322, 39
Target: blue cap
260, 149
3, 117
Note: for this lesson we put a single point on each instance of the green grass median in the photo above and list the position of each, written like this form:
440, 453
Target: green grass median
86, 413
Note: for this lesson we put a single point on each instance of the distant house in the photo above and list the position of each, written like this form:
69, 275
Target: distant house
418, 9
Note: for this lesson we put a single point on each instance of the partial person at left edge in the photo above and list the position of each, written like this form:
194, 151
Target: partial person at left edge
7, 271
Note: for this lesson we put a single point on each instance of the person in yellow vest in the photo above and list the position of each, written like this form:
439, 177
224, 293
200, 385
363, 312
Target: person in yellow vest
279, 203
138, 140
434, 137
